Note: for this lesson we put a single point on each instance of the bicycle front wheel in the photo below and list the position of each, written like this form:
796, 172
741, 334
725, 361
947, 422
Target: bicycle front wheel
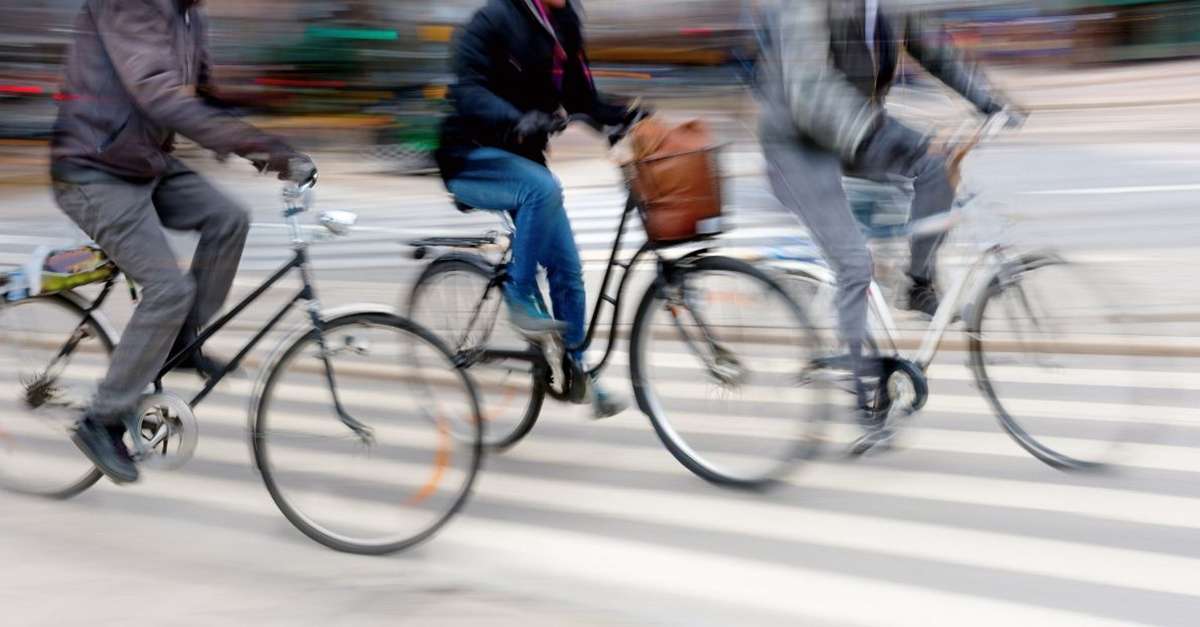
366, 435
452, 299
1043, 334
721, 363
51, 354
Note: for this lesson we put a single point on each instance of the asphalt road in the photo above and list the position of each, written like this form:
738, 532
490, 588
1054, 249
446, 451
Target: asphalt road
595, 524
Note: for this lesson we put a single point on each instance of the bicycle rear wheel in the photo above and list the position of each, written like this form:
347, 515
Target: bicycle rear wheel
397, 487
1045, 326
452, 299
721, 363
51, 354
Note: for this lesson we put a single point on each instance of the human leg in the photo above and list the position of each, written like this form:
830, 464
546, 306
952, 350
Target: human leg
185, 201
808, 182
499, 180
905, 152
120, 218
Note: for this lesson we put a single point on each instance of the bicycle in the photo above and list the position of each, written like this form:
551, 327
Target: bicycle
367, 475
702, 326
1014, 304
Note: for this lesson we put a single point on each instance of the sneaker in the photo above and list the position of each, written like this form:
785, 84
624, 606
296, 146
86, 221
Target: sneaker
105, 449
529, 319
923, 297
605, 404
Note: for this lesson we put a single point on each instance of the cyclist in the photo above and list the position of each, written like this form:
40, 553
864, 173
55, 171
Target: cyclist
138, 73
827, 68
516, 64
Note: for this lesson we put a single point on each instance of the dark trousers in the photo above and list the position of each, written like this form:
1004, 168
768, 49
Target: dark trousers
807, 179
127, 220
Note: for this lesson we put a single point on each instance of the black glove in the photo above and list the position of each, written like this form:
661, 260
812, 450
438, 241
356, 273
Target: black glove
891, 144
637, 113
536, 126
1015, 116
289, 164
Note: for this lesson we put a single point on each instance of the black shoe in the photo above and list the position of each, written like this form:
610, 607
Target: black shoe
923, 297
875, 440
107, 452
195, 361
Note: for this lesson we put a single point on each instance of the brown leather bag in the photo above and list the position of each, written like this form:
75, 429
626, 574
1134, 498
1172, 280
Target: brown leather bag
674, 173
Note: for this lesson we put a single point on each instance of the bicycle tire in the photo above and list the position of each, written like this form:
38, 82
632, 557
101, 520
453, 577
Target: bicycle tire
74, 309
796, 449
271, 476
501, 431
1034, 433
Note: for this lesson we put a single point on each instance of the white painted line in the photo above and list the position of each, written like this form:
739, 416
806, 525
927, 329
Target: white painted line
646, 566
1103, 191
1099, 565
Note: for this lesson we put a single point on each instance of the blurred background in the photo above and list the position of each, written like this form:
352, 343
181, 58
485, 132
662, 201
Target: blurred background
593, 523
370, 75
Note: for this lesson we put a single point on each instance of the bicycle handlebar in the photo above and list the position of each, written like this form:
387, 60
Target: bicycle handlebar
614, 134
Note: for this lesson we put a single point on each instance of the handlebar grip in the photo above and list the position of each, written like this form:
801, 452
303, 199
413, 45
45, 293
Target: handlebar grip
303, 172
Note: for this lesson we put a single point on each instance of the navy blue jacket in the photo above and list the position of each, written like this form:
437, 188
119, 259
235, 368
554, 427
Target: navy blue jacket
502, 61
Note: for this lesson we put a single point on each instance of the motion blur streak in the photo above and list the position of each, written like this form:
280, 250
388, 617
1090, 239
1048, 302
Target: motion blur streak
587, 523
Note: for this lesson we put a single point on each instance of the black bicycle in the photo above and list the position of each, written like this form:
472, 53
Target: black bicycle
718, 349
365, 433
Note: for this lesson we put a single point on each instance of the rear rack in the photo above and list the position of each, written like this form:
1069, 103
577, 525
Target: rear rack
454, 242
421, 246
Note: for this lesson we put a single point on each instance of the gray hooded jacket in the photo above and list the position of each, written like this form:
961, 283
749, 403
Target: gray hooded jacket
820, 80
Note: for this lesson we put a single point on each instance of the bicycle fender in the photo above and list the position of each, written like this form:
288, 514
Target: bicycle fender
102, 321
478, 261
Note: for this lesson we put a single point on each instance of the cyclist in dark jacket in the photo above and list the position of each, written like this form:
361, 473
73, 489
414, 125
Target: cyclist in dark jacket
517, 64
136, 75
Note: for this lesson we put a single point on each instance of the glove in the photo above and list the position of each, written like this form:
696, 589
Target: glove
891, 144
271, 154
637, 112
537, 126
1015, 116
290, 165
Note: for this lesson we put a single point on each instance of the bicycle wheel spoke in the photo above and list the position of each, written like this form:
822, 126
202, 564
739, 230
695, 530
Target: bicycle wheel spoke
730, 331
409, 474
458, 303
1051, 324
50, 356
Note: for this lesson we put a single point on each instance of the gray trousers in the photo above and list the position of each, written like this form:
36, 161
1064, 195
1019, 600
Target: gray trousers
807, 179
127, 221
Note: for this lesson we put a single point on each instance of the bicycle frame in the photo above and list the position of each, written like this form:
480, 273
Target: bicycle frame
956, 299
307, 293
604, 296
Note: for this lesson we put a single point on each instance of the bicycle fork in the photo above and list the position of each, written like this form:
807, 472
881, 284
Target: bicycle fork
722, 365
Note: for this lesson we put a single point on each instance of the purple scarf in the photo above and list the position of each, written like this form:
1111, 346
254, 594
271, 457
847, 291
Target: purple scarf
559, 64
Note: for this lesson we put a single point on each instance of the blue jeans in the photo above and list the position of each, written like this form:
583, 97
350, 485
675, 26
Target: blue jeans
500, 180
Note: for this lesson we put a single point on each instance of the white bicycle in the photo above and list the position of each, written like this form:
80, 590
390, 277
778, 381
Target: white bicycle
1029, 319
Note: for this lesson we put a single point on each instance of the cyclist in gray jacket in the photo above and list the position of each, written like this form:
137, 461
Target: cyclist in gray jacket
825, 72
139, 73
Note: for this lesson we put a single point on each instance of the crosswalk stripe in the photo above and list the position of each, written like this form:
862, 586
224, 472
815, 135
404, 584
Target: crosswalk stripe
1048, 496
918, 437
789, 523
671, 570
